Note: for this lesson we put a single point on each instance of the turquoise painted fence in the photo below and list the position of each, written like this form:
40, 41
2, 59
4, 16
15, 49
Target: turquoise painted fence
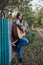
4, 44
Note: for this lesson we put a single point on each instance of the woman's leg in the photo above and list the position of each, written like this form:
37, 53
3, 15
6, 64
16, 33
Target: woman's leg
21, 42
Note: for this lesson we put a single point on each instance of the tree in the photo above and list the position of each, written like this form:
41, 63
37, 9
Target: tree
10, 5
3, 3
40, 16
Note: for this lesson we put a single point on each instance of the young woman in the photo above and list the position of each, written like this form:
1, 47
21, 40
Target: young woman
21, 41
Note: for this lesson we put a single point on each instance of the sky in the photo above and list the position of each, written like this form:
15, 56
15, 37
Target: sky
36, 3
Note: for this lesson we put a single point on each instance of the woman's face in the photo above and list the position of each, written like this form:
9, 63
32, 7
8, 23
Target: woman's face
20, 17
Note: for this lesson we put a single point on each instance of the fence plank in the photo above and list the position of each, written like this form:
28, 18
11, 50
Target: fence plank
4, 44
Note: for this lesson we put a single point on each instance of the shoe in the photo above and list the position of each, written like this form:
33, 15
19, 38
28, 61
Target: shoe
20, 60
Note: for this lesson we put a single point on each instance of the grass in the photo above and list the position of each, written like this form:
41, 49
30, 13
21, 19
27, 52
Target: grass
33, 52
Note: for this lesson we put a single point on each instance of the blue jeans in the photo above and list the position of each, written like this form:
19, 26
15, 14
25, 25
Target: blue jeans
21, 42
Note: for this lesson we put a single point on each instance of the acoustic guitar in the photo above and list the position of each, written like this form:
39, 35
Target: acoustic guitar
17, 32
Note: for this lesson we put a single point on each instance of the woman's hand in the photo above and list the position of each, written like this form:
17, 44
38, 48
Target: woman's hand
26, 30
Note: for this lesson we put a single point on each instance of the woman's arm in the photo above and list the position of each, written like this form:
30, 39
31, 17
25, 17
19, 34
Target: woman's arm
20, 26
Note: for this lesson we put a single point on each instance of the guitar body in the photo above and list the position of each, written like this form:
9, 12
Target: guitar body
17, 32
20, 33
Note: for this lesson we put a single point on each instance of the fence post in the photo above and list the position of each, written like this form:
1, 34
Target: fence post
4, 43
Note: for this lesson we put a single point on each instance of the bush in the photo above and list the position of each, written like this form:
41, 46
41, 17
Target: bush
30, 35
